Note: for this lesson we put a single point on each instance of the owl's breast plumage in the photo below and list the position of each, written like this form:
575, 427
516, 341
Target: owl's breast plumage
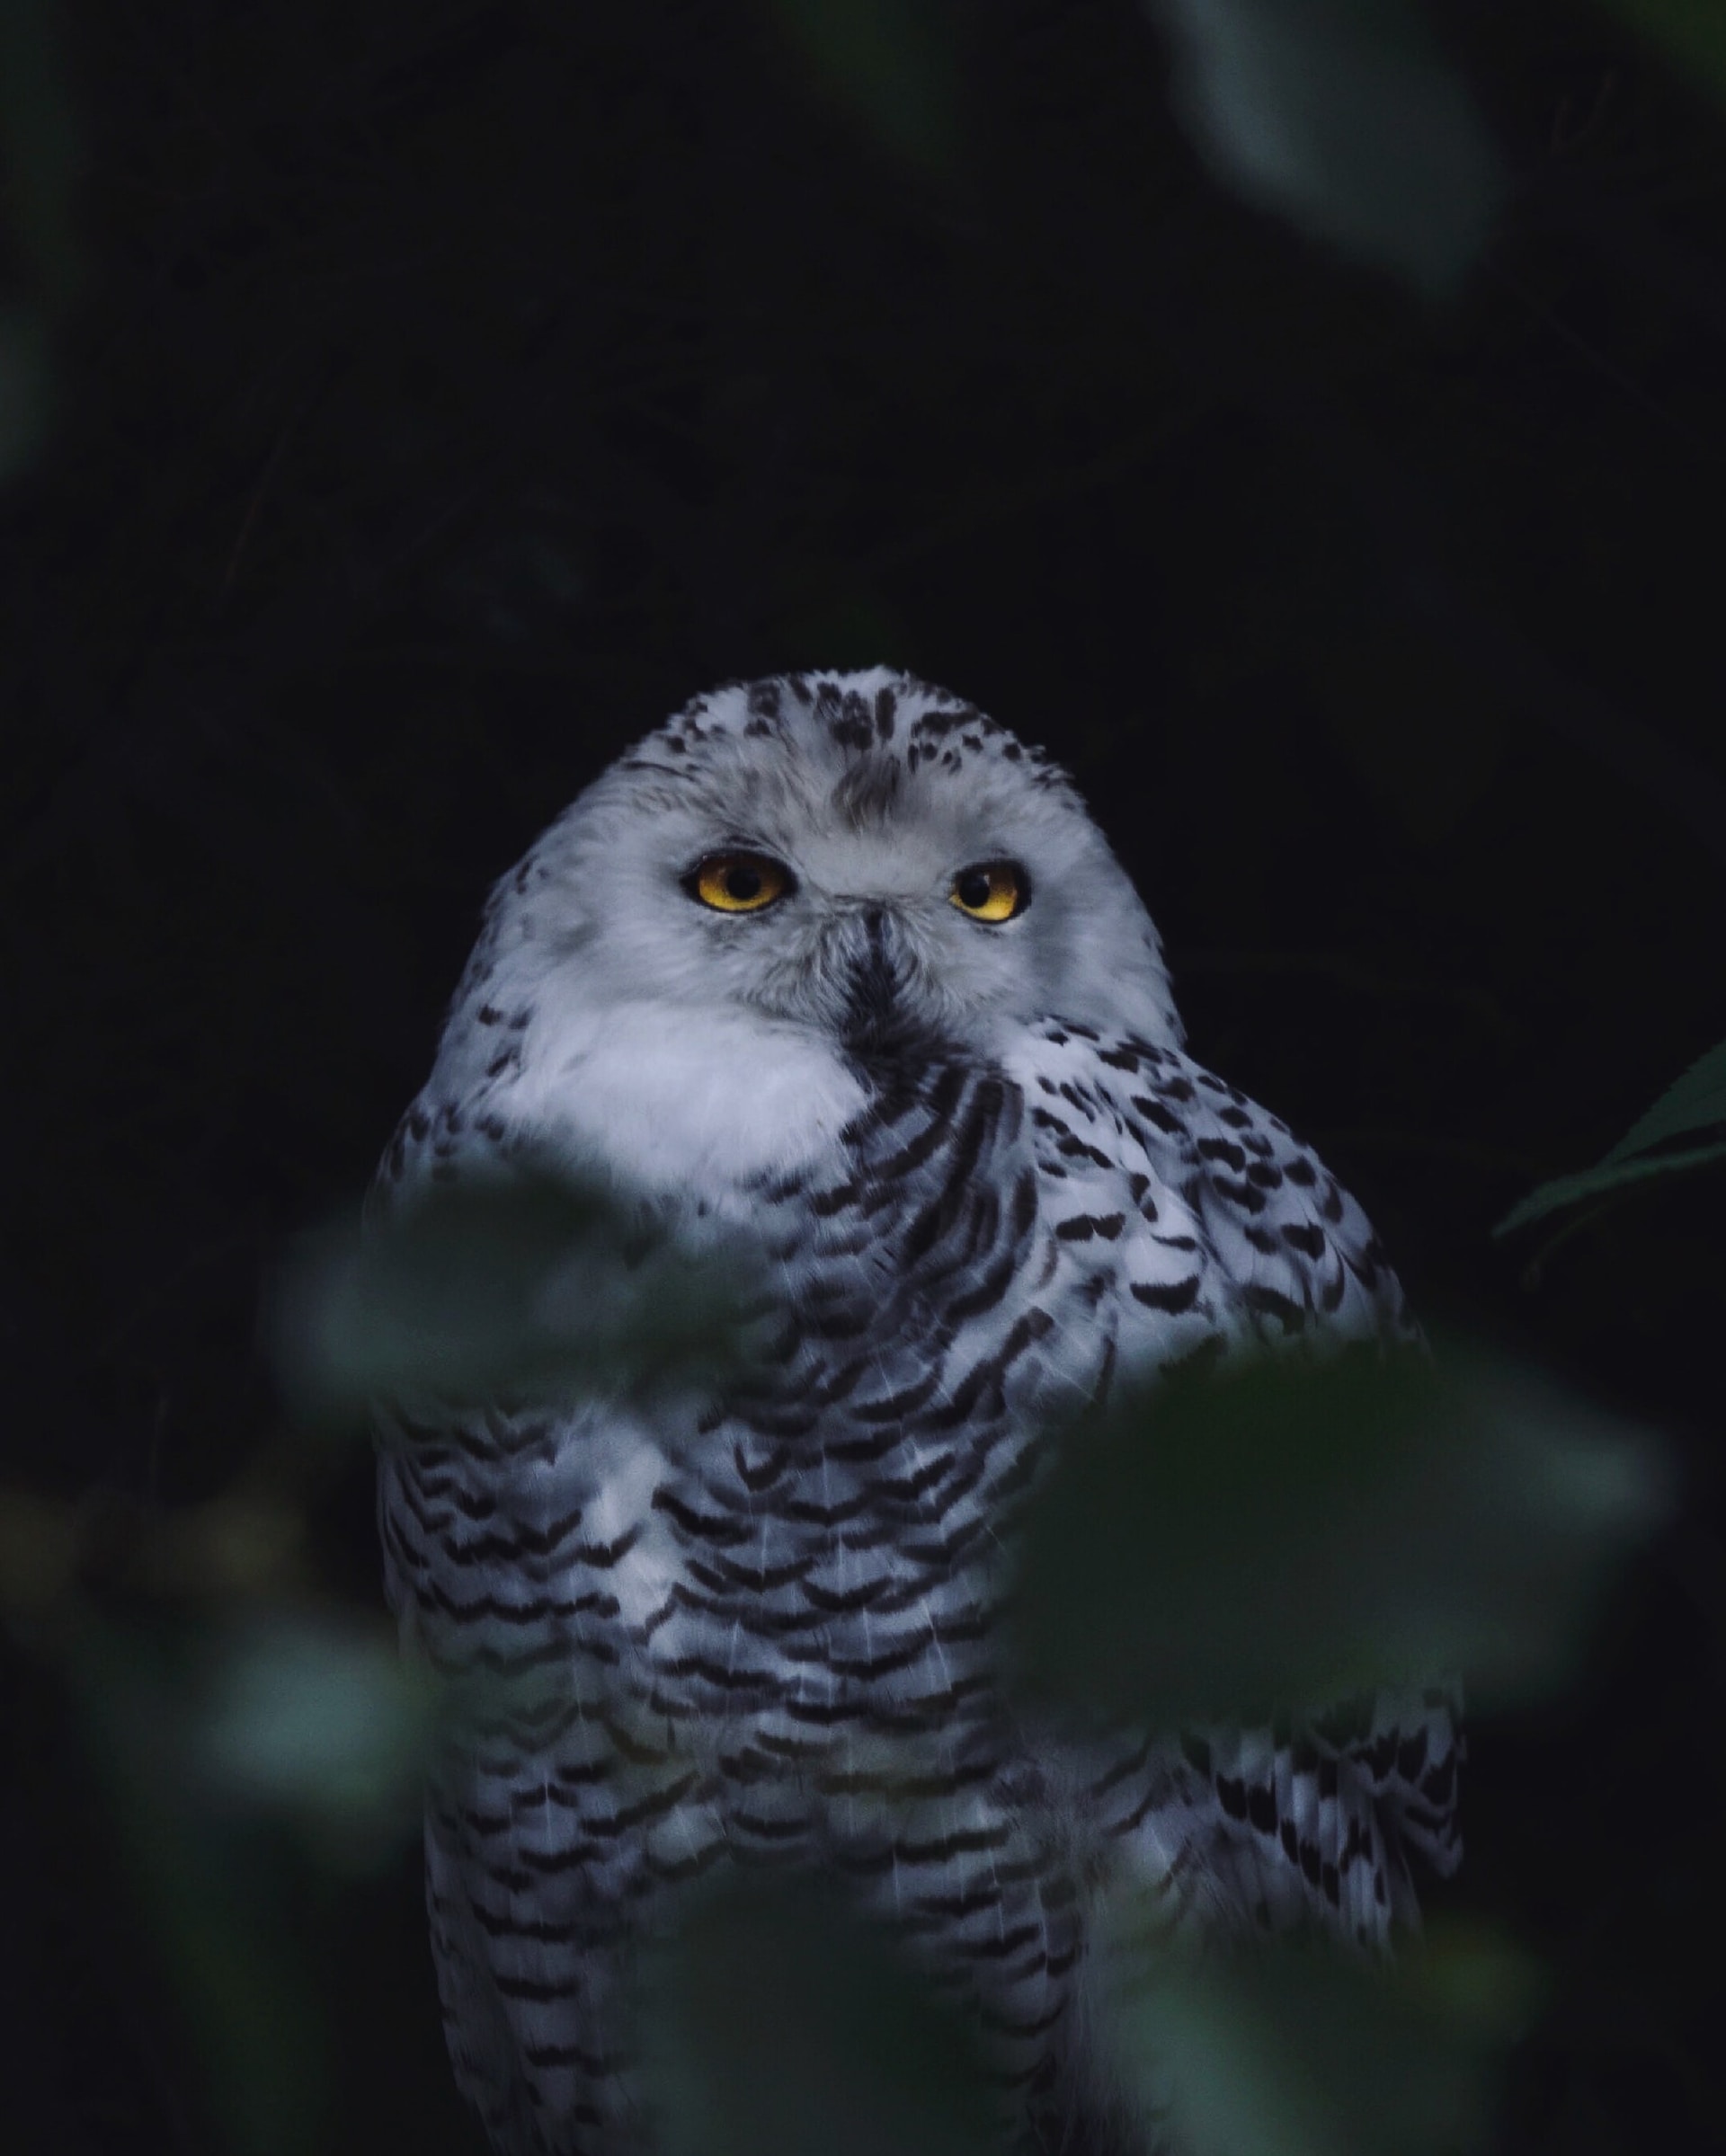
967, 1262
759, 1620
782, 981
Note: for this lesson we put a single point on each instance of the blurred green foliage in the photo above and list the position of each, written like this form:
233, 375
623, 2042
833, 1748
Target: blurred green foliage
1311, 2054
319, 1722
24, 376
778, 2024
40, 162
1692, 31
1307, 2053
1343, 116
1286, 1534
524, 1286
207, 1879
1290, 1532
1302, 1534
1679, 1133
886, 61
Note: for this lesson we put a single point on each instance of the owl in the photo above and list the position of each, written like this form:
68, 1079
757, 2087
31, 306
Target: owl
834, 974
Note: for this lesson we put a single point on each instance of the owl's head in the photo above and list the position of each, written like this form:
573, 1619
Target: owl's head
861, 857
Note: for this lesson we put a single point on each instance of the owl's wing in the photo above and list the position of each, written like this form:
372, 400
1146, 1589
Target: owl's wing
1208, 1228
1202, 1208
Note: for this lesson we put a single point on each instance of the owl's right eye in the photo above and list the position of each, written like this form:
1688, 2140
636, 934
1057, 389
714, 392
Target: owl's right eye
738, 882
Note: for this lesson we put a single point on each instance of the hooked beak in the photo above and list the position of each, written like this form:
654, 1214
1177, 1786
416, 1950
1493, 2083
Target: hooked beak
875, 1017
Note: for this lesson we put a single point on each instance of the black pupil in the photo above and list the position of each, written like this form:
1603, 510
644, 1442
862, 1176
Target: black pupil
742, 883
975, 888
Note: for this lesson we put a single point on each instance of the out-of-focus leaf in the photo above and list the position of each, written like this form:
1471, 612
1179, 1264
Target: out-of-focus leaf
1341, 115
1602, 1181
1301, 2052
775, 2025
505, 1288
1692, 31
39, 160
882, 58
1695, 1102
23, 387
207, 1890
38, 143
322, 1722
245, 1543
38, 1551
1295, 1535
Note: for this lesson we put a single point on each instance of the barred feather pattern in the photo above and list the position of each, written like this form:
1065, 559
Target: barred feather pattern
760, 1627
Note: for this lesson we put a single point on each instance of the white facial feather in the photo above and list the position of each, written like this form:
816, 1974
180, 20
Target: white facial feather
665, 1042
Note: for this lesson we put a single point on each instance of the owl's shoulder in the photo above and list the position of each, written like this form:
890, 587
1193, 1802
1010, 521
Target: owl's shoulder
1220, 1222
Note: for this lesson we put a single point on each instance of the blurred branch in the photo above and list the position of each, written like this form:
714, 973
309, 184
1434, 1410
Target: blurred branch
1600, 363
1562, 199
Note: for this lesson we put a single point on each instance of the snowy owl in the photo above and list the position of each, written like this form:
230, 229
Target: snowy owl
834, 965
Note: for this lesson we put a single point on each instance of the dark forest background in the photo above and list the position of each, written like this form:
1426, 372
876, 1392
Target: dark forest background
408, 402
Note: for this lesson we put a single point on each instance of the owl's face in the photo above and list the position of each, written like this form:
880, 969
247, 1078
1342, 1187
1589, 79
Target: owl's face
858, 857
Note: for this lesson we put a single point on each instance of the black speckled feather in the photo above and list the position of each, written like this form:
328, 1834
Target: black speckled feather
759, 1626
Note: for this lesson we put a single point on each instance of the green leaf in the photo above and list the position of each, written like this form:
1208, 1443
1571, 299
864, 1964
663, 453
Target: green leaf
1296, 1535
209, 1887
884, 59
38, 143
1300, 2052
40, 161
1695, 1102
24, 389
1600, 1181
1342, 116
1692, 31
502, 1288
776, 2024
322, 1722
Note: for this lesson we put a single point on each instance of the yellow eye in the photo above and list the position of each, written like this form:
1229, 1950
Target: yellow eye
737, 883
994, 890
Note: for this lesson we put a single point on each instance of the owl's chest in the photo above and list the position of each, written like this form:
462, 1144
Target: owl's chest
682, 1118
951, 1277
829, 1533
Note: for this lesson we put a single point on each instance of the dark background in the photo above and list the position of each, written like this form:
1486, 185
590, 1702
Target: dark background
443, 392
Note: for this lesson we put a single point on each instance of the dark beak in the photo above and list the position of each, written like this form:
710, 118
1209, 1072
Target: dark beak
874, 1020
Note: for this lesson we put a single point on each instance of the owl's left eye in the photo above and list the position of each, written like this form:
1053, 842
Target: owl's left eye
738, 882
994, 890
